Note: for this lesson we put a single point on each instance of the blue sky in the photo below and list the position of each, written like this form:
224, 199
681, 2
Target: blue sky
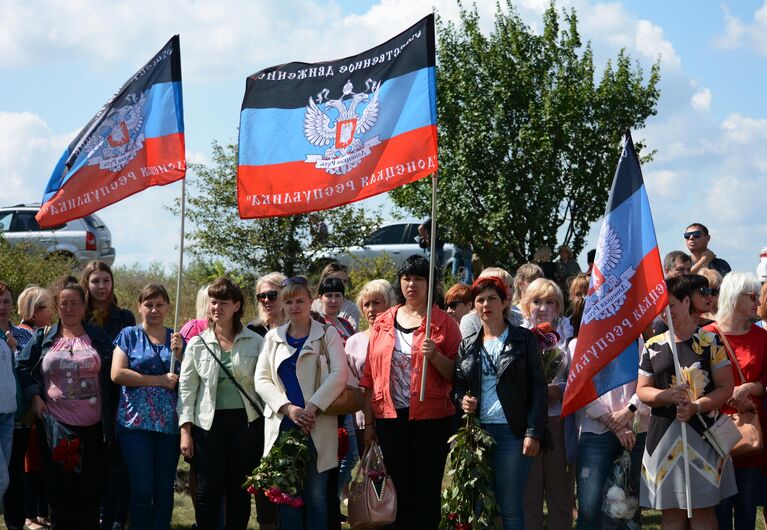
59, 62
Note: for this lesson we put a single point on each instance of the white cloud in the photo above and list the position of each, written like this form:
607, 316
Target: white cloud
701, 100
737, 33
651, 43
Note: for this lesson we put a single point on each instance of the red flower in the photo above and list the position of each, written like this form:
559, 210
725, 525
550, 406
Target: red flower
67, 453
547, 336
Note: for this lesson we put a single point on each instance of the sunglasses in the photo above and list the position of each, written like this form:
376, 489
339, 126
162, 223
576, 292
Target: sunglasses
709, 291
297, 280
269, 295
694, 234
753, 296
454, 305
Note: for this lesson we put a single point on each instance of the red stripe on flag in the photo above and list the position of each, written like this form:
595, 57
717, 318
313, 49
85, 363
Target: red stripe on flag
601, 341
161, 161
300, 187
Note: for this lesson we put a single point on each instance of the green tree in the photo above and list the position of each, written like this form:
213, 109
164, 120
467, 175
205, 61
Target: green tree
286, 244
529, 138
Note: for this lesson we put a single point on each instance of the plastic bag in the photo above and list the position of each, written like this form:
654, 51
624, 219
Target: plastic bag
63, 443
621, 500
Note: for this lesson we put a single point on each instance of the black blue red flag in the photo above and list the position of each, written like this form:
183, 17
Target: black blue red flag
135, 141
626, 292
316, 136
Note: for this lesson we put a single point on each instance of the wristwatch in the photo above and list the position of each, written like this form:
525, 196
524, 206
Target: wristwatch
632, 408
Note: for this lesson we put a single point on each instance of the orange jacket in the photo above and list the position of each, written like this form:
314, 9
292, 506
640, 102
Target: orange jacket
376, 376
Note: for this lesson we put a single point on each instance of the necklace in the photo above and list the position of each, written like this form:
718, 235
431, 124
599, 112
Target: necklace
411, 315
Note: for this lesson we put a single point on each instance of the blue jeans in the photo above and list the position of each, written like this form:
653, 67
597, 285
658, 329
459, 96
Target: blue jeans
462, 257
315, 510
151, 459
744, 503
349, 461
6, 446
511, 468
596, 454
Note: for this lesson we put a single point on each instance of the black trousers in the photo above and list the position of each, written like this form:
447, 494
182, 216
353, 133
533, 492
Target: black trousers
14, 500
414, 454
223, 456
73, 498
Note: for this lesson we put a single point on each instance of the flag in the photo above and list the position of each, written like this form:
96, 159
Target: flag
626, 292
316, 136
135, 141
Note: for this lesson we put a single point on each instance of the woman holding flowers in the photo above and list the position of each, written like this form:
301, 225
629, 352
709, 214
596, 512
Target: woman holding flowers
65, 373
301, 371
147, 424
738, 304
412, 433
708, 385
553, 471
499, 377
217, 411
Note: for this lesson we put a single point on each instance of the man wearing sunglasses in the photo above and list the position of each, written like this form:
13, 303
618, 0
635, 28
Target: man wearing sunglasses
697, 238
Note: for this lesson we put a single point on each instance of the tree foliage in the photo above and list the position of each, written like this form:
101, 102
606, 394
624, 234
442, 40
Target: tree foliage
284, 244
529, 138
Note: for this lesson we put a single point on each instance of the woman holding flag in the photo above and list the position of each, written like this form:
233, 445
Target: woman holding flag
708, 385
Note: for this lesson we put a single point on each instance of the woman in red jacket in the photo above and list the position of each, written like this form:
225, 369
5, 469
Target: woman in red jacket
412, 433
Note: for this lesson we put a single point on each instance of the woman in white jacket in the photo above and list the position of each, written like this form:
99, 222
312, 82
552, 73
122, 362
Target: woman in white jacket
286, 379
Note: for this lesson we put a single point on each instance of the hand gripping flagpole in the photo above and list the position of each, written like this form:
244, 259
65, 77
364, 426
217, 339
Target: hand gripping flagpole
180, 270
430, 297
679, 379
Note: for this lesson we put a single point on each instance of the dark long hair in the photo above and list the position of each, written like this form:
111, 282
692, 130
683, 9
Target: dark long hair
226, 289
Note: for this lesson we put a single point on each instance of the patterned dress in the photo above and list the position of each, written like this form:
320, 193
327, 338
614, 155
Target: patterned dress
712, 478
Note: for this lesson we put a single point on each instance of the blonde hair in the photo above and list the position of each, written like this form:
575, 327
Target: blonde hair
376, 288
542, 288
526, 273
578, 286
733, 285
293, 289
498, 272
275, 279
201, 304
713, 277
29, 300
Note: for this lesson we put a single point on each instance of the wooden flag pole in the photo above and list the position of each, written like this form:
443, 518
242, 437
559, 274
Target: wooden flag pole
679, 379
430, 297
180, 269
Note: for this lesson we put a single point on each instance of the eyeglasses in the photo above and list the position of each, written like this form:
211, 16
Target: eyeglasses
709, 291
298, 280
268, 295
753, 296
695, 234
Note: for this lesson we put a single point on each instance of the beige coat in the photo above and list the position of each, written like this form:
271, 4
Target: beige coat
198, 382
269, 386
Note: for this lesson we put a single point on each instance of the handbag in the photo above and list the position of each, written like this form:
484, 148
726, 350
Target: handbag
350, 400
747, 423
372, 497
722, 435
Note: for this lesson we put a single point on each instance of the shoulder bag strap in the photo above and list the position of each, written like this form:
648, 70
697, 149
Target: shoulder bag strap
730, 353
322, 353
257, 404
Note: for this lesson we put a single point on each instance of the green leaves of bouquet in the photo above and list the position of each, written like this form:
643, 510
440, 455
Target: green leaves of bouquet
280, 476
468, 502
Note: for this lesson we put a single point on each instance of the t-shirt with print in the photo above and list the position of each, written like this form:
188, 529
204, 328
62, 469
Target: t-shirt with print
71, 378
401, 366
148, 408
490, 410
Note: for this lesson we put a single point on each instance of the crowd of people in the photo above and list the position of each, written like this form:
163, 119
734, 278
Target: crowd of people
220, 391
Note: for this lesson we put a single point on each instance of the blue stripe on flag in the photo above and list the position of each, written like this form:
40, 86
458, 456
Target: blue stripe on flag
276, 136
162, 97
632, 212
619, 371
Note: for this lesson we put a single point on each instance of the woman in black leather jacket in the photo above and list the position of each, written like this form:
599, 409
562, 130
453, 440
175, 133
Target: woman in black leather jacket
499, 377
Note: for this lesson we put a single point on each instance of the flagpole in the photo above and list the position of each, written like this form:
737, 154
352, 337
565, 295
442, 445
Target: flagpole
430, 296
180, 269
679, 379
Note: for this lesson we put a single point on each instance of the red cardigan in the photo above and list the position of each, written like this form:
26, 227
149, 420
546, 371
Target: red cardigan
376, 376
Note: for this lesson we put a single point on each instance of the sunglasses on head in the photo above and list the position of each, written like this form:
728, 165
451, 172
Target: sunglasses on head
753, 296
268, 295
453, 305
695, 234
297, 280
709, 291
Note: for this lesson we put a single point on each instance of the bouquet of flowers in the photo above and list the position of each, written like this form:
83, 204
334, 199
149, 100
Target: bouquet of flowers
64, 444
620, 498
468, 503
548, 340
280, 476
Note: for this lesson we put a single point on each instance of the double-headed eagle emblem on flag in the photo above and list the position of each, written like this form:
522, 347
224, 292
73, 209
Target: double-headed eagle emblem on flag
346, 149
